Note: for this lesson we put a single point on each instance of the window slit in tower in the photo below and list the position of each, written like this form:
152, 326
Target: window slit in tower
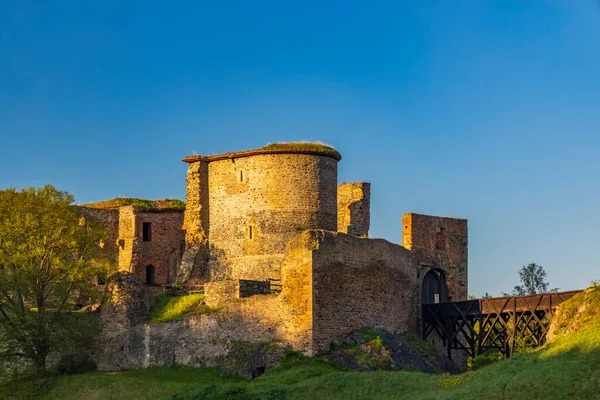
146, 232
440, 238
250, 232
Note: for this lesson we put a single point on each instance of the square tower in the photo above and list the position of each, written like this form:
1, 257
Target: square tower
440, 244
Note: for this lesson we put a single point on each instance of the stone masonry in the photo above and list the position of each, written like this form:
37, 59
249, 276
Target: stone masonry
251, 204
160, 251
277, 213
354, 208
440, 243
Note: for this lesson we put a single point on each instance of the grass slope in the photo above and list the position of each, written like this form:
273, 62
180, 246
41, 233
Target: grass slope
169, 308
568, 367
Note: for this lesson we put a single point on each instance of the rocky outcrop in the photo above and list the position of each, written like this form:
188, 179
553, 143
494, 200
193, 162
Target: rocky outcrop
371, 349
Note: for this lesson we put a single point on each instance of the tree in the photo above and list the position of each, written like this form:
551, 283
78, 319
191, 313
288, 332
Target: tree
533, 281
49, 258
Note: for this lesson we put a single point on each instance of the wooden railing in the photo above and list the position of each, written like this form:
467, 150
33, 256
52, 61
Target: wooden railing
275, 284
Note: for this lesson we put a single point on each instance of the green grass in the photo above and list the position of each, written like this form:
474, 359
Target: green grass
169, 308
300, 146
150, 383
566, 368
165, 204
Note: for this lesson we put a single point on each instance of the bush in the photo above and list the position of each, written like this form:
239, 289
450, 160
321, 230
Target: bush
482, 360
73, 364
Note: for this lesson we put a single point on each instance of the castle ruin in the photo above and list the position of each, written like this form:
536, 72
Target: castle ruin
277, 214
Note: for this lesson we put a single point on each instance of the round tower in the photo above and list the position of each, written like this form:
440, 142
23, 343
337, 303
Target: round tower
258, 200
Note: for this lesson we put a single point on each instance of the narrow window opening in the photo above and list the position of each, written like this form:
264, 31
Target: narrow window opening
150, 274
250, 233
440, 238
146, 232
241, 176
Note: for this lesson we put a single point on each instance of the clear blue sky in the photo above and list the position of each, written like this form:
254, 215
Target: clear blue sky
487, 110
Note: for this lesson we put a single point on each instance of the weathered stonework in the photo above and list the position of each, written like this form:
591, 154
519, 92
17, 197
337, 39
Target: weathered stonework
332, 284
162, 248
440, 243
251, 205
361, 282
354, 208
195, 225
276, 214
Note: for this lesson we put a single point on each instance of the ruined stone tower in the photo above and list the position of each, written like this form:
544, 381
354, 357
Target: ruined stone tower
244, 207
440, 244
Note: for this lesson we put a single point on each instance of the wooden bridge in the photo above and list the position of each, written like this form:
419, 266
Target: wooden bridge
501, 323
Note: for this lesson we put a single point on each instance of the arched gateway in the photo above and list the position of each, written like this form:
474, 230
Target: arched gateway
434, 288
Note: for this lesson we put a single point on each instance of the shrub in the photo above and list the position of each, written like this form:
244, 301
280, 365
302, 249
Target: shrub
482, 360
72, 364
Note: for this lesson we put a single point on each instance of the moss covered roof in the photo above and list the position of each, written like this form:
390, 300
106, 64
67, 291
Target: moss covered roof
274, 148
300, 146
166, 204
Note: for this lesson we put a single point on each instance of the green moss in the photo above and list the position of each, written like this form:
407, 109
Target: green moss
300, 146
166, 204
169, 308
368, 333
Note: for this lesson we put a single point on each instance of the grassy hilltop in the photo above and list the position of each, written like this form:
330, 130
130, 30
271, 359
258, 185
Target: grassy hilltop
567, 367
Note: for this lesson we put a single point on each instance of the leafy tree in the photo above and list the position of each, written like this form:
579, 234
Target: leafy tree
533, 281
49, 257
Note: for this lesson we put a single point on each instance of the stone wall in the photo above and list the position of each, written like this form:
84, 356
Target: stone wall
205, 339
361, 282
354, 208
252, 288
332, 284
440, 243
127, 238
256, 204
163, 250
195, 224
196, 340
220, 293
